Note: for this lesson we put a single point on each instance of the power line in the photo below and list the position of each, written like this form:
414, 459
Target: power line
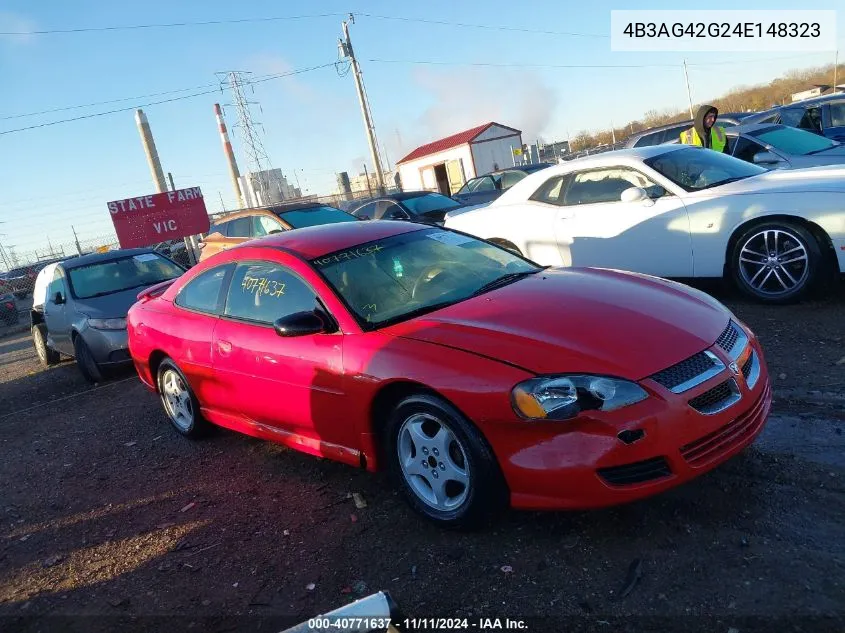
518, 65
132, 27
490, 27
534, 65
152, 103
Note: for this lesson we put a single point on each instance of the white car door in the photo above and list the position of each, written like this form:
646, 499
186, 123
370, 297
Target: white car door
594, 227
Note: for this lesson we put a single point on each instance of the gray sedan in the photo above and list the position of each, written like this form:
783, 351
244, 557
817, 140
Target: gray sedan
80, 306
782, 147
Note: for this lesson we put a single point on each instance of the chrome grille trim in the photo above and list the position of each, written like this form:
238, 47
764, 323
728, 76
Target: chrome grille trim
753, 371
734, 396
733, 340
717, 367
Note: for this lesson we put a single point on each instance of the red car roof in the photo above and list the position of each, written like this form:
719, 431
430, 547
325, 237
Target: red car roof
316, 241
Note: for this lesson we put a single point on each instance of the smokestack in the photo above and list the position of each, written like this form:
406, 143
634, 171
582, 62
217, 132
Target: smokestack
230, 155
150, 149
344, 186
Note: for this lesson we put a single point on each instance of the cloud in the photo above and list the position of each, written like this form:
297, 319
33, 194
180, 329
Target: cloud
16, 23
461, 99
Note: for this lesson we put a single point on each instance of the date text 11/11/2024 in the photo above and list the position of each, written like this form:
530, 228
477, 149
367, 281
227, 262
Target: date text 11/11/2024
417, 624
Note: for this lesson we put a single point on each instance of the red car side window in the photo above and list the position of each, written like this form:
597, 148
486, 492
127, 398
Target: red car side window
264, 292
203, 292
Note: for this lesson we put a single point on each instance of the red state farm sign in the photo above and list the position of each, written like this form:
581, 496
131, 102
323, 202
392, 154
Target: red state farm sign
148, 220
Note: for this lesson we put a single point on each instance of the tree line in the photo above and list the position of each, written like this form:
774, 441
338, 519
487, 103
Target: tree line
740, 99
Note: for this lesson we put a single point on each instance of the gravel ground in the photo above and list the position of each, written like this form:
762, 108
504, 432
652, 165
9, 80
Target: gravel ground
109, 520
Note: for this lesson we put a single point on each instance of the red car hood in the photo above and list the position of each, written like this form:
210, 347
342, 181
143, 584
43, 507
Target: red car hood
578, 320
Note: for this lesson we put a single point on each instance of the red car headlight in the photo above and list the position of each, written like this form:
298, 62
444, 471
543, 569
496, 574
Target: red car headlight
564, 397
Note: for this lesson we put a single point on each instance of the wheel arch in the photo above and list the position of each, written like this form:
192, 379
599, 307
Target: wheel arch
155, 359
821, 236
385, 399
390, 395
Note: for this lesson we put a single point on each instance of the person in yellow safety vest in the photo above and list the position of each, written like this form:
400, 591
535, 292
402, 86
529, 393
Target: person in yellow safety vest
705, 132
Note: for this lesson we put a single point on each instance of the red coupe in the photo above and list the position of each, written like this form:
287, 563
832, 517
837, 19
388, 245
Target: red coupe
476, 376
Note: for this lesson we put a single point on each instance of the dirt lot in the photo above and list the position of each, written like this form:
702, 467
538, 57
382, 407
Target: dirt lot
109, 520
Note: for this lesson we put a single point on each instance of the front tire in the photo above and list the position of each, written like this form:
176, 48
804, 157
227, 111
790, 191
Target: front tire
88, 367
777, 262
46, 356
179, 402
442, 463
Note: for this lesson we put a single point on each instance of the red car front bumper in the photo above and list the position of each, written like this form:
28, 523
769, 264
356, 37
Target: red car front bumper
585, 463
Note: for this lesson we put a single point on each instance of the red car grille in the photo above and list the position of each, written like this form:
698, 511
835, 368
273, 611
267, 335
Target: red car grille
636, 472
727, 339
715, 444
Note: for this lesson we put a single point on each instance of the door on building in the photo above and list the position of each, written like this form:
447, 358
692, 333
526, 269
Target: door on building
441, 176
455, 173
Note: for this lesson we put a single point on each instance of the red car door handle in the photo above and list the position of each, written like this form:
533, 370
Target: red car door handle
224, 347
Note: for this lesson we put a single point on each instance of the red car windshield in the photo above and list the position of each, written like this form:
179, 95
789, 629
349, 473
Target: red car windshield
406, 275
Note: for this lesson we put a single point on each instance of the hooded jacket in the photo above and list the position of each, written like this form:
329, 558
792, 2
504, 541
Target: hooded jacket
699, 135
698, 124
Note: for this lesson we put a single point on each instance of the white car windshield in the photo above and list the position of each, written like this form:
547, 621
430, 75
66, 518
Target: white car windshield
696, 168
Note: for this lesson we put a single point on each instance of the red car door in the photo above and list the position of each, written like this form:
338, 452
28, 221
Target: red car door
188, 330
283, 385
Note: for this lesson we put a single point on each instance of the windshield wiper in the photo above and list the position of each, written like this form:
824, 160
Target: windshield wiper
505, 280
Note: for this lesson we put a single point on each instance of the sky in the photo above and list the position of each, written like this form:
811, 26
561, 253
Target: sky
57, 176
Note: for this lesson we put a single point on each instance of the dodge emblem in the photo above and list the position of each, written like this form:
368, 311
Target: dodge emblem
734, 368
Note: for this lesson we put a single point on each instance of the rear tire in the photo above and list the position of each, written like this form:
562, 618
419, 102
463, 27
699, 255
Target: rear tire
46, 356
777, 262
442, 464
179, 402
85, 361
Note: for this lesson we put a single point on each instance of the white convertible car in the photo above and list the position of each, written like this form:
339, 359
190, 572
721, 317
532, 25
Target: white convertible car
676, 211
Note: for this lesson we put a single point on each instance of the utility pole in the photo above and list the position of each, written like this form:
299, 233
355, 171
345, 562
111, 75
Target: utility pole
613, 132
192, 246
76, 239
345, 47
689, 94
835, 68
367, 174
222, 204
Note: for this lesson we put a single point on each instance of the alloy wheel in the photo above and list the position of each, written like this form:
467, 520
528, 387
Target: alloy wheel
177, 400
433, 462
774, 262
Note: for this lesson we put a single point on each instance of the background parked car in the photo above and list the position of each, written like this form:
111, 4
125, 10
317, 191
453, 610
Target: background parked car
782, 147
490, 186
822, 115
672, 132
8, 309
80, 305
18, 281
677, 211
249, 224
427, 207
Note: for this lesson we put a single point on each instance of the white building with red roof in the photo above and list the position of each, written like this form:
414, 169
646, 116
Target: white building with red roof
446, 164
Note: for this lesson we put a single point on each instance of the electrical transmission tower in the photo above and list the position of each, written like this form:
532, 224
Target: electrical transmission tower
238, 81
